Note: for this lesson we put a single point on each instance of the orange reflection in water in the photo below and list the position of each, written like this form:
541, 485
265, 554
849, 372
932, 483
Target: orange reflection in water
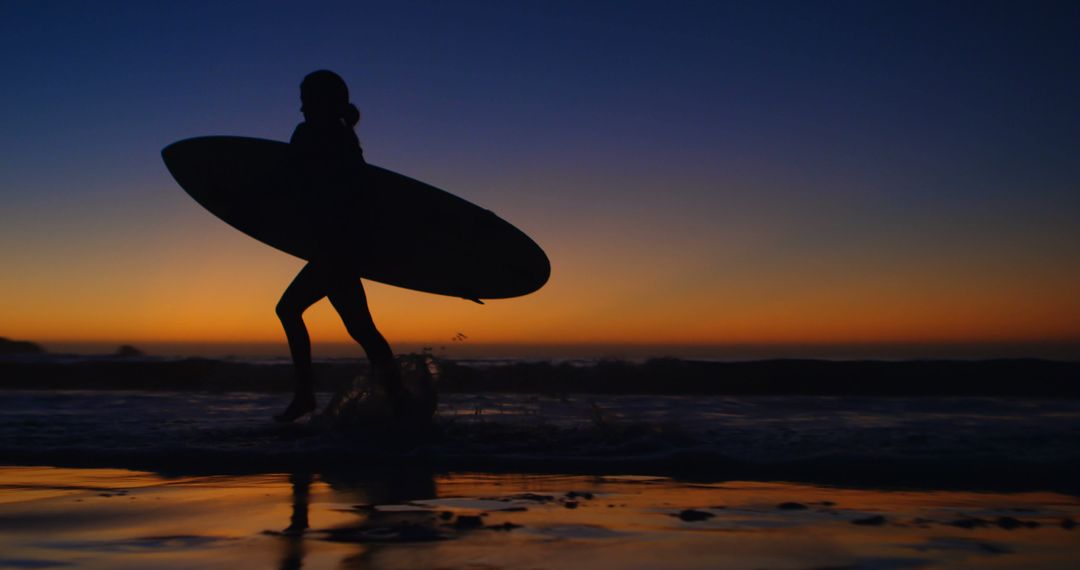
407, 517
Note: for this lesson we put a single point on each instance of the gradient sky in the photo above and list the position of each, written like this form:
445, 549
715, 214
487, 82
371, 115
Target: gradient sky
699, 173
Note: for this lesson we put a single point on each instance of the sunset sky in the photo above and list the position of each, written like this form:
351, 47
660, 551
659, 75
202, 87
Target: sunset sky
709, 174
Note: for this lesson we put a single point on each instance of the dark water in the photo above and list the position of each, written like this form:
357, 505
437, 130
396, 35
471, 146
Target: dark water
965, 443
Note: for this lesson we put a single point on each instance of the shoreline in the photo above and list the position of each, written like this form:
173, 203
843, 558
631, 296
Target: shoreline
1030, 378
971, 443
960, 474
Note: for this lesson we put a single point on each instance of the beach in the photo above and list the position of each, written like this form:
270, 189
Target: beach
390, 518
191, 478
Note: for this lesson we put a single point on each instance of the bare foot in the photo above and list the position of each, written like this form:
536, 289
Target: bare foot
301, 405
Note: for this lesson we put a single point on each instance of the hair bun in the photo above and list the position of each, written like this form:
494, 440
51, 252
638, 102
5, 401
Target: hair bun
351, 115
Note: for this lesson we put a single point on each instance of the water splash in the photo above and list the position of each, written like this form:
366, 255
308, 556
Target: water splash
365, 402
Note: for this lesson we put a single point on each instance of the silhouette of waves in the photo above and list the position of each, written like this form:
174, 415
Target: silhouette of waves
1011, 377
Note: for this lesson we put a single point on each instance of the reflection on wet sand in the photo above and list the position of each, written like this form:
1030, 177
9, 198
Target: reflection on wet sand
293, 553
411, 517
391, 487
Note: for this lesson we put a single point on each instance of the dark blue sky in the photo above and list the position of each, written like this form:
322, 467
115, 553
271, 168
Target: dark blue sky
681, 84
642, 134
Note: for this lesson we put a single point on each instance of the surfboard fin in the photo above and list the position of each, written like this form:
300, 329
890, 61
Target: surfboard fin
474, 300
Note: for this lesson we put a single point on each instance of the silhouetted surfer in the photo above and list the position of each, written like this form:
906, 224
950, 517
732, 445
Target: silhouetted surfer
327, 145
317, 199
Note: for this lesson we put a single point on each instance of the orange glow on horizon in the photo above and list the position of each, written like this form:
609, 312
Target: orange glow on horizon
193, 279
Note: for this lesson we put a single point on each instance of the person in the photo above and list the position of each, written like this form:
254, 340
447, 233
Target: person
330, 154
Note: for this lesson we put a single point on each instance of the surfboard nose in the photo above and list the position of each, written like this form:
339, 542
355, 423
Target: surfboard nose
174, 157
187, 161
192, 167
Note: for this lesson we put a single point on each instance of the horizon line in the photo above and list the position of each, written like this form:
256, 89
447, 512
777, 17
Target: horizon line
1051, 349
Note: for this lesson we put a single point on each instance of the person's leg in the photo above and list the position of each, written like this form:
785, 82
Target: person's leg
347, 296
306, 289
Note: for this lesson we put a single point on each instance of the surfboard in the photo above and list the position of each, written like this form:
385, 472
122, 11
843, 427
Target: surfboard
384, 226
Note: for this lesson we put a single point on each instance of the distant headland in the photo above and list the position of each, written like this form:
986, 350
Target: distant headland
8, 346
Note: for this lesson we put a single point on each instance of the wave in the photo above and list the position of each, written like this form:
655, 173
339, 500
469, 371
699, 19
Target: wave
993, 443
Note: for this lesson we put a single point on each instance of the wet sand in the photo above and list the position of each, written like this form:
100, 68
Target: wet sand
406, 518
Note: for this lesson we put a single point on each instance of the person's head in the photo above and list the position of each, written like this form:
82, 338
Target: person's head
325, 97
